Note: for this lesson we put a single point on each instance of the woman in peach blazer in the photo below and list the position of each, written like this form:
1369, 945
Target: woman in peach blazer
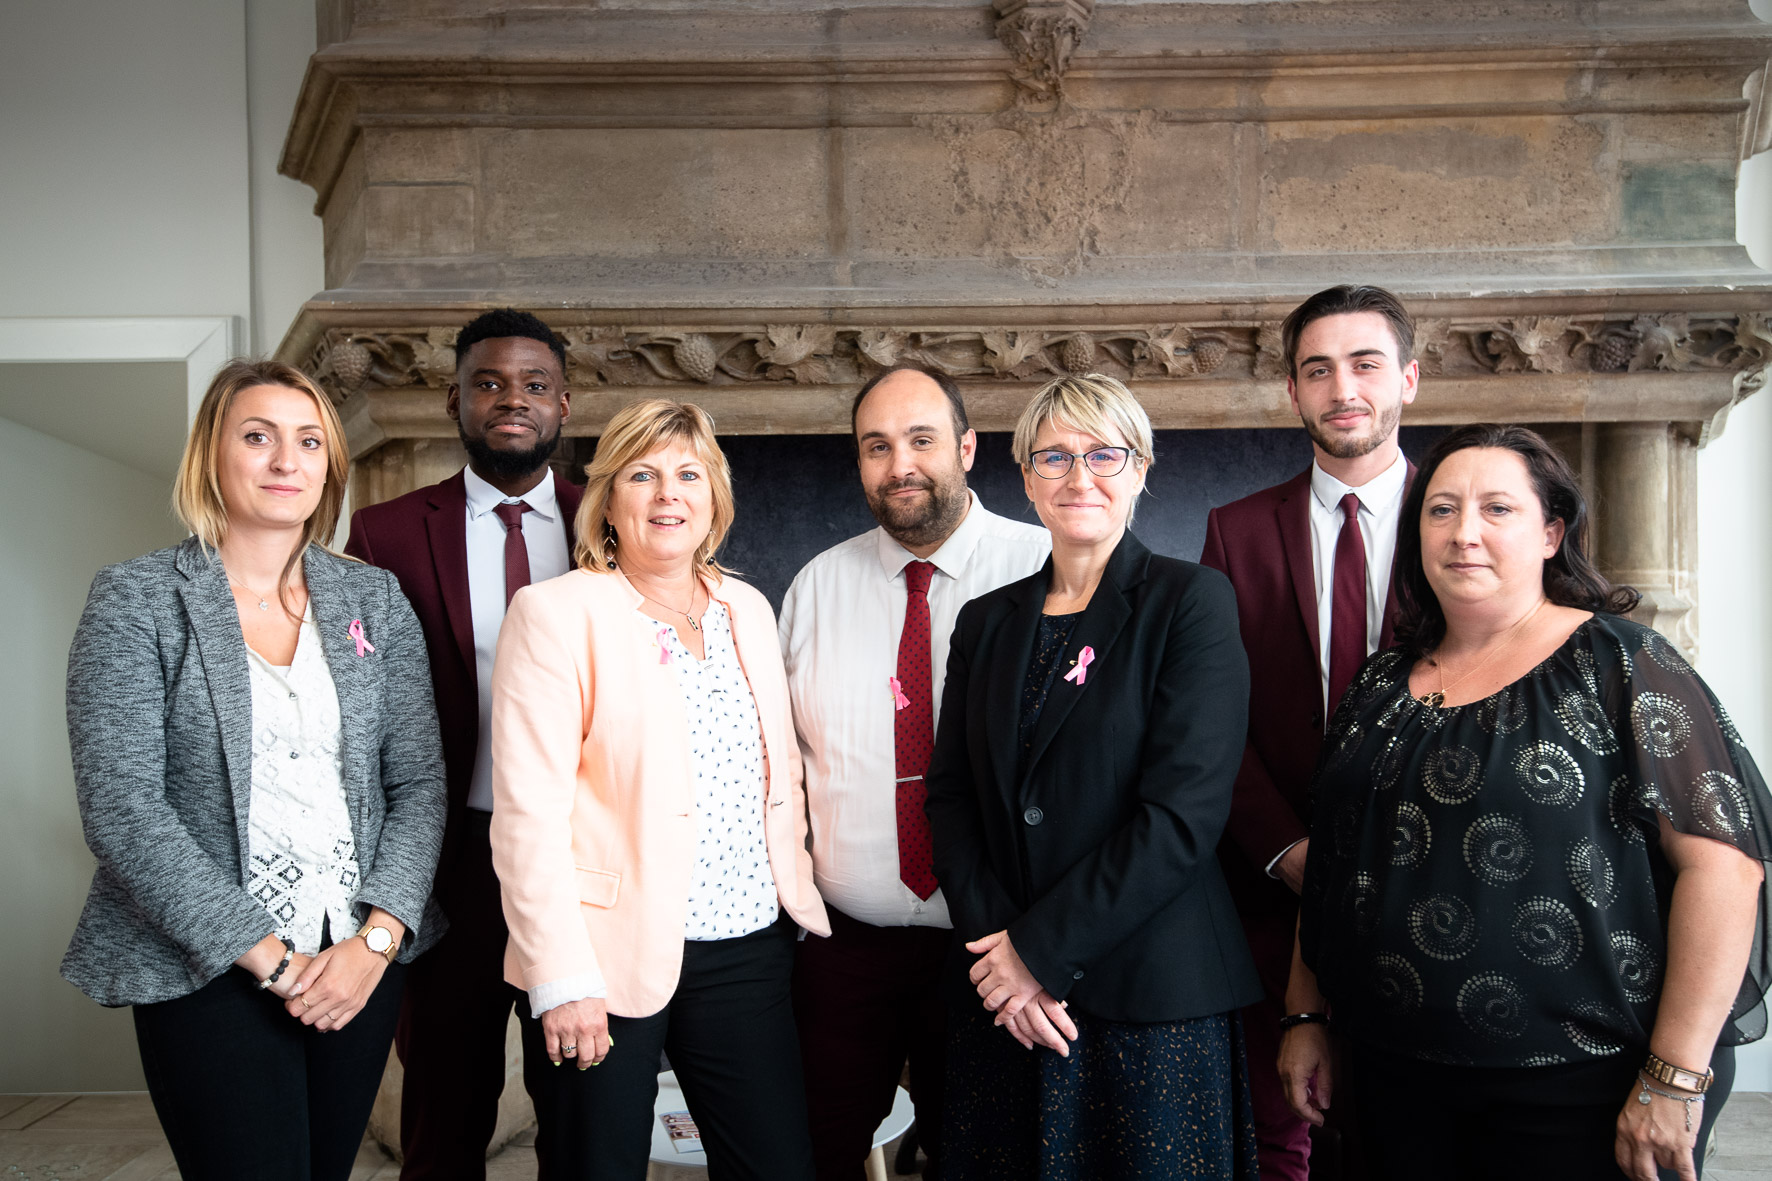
649, 825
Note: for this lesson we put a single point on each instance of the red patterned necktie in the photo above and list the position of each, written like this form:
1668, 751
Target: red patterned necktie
914, 734
516, 549
1347, 613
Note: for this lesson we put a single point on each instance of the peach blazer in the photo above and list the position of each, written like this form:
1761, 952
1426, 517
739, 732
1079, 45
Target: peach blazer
591, 833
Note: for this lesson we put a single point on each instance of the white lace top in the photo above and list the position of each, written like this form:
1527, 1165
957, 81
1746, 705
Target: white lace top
304, 858
731, 889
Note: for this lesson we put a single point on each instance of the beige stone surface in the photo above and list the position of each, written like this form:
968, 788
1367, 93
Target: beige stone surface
640, 193
1347, 186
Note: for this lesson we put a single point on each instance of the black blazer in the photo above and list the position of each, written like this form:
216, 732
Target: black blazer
1097, 850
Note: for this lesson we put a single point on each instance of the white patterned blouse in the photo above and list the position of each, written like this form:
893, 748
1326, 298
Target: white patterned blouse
731, 888
304, 857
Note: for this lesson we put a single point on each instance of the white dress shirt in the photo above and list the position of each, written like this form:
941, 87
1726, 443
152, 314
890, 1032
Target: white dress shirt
303, 857
1381, 502
840, 626
545, 534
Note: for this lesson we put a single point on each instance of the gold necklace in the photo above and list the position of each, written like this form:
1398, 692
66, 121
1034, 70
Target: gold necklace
694, 624
1437, 699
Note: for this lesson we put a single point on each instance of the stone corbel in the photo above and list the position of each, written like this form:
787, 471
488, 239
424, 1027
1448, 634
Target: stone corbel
1041, 36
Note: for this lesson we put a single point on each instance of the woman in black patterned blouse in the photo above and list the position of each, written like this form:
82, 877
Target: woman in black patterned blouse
1535, 899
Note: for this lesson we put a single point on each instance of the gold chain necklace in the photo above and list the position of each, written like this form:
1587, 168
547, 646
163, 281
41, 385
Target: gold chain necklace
1437, 699
694, 624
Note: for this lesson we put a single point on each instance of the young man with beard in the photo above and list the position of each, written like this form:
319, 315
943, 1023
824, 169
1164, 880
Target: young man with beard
865, 631
460, 550
1311, 563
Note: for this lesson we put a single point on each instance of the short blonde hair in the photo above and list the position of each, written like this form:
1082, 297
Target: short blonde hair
1094, 404
635, 432
196, 490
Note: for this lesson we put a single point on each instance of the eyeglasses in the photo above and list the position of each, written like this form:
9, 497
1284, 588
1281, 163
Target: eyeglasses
1102, 462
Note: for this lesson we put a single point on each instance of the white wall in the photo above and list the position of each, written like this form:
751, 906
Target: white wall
140, 143
55, 1039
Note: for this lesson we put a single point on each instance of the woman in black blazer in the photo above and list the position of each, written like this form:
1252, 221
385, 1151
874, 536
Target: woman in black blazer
1090, 732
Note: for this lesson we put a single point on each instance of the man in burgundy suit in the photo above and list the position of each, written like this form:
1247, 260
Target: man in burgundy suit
461, 549
1310, 560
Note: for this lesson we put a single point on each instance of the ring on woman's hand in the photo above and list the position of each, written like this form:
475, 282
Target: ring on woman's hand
305, 1004
569, 1050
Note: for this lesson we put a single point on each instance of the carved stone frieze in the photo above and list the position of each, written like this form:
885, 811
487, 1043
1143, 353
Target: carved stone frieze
346, 360
1041, 36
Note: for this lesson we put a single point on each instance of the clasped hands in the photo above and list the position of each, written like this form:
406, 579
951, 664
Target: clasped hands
1030, 1013
326, 990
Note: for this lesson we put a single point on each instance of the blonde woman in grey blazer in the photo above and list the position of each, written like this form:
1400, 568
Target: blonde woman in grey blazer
260, 778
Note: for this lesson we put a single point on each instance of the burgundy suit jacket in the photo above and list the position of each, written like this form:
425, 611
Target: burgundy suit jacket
422, 539
1263, 544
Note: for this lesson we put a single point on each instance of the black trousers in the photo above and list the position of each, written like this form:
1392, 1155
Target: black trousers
451, 1036
243, 1089
1458, 1123
866, 999
729, 1031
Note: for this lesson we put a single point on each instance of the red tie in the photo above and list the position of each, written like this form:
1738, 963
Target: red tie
914, 734
1347, 614
516, 549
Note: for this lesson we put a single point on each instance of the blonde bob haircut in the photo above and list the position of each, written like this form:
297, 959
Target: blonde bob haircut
196, 490
634, 433
1094, 404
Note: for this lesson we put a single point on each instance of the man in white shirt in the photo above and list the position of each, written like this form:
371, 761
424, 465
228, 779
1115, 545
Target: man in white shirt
865, 629
1310, 560
461, 549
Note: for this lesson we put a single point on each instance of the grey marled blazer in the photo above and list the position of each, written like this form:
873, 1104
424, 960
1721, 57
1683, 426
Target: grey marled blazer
160, 721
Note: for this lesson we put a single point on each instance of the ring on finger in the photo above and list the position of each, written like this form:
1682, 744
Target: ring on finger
569, 1051
306, 1004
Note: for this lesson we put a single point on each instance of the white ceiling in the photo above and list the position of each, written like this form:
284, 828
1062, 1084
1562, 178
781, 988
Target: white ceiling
132, 412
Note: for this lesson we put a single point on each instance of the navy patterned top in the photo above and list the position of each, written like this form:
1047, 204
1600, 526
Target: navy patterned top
1485, 884
1055, 632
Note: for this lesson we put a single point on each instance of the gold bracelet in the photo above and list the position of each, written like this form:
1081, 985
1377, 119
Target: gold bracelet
1663, 1071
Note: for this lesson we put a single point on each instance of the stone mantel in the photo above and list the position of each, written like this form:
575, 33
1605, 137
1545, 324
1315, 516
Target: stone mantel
1612, 365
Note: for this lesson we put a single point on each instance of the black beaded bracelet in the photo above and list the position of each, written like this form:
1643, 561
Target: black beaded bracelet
288, 954
1294, 1020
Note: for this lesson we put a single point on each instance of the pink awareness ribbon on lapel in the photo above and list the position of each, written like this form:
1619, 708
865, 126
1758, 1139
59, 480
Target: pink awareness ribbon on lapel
1085, 658
664, 645
363, 644
899, 700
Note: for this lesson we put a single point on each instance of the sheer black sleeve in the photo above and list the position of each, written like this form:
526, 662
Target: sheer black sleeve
1684, 760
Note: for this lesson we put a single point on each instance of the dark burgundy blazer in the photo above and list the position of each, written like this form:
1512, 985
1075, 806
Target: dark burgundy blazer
422, 539
1263, 544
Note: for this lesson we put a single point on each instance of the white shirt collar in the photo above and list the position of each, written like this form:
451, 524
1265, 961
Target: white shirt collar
954, 553
1380, 493
483, 497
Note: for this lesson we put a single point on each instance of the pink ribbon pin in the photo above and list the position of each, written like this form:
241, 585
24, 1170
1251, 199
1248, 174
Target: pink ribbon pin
1085, 658
899, 700
363, 645
664, 645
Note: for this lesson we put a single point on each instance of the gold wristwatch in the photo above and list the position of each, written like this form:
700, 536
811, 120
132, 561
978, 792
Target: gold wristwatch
380, 941
1661, 1070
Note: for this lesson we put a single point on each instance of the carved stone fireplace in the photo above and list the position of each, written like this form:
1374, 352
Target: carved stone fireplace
753, 204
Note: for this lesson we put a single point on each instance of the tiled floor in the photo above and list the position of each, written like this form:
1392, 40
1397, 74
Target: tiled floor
115, 1138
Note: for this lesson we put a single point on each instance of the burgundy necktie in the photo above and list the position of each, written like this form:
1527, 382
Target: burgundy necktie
1347, 613
516, 549
914, 734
